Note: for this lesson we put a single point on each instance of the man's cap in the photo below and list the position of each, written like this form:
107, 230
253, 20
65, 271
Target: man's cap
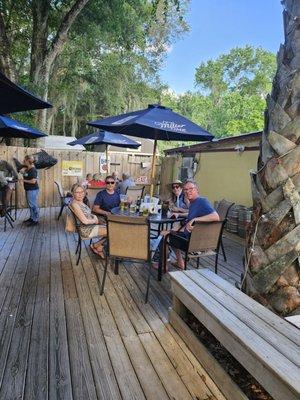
177, 182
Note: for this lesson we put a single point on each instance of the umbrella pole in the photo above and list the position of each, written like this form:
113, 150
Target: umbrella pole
153, 168
107, 164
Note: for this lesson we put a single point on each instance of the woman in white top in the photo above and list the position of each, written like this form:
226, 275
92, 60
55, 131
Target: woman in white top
89, 224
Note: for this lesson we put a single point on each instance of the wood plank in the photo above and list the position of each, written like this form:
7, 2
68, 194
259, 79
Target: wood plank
127, 380
145, 371
83, 384
60, 385
106, 384
179, 360
10, 294
81, 370
210, 313
173, 385
255, 307
36, 384
210, 364
253, 321
16, 363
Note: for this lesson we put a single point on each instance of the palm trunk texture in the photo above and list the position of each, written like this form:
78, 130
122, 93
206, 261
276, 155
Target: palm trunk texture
273, 275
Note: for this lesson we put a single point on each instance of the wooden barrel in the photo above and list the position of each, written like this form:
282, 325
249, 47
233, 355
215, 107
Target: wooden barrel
244, 220
232, 219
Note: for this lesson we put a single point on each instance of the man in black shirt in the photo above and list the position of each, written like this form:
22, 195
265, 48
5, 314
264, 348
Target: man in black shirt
31, 189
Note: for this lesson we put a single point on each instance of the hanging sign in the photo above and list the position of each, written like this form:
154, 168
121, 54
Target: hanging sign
72, 168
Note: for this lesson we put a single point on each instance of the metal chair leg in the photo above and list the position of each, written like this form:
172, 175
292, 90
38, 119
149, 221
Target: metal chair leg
79, 253
223, 250
216, 263
148, 283
104, 276
198, 262
61, 210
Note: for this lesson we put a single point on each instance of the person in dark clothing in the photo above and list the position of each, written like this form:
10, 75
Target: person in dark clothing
31, 187
107, 199
200, 209
6, 188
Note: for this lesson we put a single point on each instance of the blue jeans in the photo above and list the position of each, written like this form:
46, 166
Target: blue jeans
32, 200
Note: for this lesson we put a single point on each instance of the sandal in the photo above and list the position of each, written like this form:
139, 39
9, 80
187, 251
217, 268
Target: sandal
97, 252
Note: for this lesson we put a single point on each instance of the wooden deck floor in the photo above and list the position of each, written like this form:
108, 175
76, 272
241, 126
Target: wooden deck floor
59, 339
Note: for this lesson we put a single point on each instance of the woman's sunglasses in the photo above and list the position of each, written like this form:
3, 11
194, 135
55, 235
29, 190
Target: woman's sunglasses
110, 182
175, 186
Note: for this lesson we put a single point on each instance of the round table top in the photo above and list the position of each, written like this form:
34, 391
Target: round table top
154, 218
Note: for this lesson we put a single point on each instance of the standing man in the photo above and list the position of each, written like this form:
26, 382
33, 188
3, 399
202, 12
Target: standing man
31, 187
200, 210
107, 199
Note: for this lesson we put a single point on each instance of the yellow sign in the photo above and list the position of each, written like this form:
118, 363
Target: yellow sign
72, 168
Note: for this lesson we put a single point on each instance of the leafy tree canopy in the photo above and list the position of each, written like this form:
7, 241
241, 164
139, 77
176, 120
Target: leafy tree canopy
231, 95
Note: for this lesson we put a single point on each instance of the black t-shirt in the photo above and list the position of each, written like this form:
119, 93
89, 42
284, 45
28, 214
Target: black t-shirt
31, 174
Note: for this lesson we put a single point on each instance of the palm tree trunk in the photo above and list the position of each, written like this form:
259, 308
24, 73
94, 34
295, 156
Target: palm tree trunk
273, 276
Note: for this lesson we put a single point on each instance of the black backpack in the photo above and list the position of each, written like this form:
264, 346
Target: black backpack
42, 160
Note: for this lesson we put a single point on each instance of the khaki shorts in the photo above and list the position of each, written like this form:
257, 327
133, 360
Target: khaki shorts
98, 230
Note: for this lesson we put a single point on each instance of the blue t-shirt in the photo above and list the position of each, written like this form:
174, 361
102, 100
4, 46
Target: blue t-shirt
107, 201
198, 208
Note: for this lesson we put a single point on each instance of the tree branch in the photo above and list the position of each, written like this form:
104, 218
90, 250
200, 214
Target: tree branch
6, 63
62, 33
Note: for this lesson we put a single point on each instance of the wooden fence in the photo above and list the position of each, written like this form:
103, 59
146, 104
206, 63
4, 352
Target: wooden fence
135, 164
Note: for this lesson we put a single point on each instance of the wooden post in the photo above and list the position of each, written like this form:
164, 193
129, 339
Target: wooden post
153, 168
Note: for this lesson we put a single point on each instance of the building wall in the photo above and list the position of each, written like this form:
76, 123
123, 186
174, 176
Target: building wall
226, 175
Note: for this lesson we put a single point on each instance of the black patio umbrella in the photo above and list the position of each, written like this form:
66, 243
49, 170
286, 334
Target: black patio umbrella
155, 122
11, 128
107, 138
14, 98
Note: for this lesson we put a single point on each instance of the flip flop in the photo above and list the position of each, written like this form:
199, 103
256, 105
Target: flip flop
98, 253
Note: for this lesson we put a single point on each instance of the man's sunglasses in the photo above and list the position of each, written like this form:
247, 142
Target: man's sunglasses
175, 186
110, 182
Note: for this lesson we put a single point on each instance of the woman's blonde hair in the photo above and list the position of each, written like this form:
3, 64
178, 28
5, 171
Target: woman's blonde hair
76, 186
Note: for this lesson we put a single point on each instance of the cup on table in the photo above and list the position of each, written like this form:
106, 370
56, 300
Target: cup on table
132, 208
122, 202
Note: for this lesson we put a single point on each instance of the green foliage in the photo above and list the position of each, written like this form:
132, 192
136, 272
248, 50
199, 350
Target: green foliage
110, 62
231, 96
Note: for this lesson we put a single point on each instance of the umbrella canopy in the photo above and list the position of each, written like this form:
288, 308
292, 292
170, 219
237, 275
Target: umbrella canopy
104, 137
155, 122
13, 98
11, 128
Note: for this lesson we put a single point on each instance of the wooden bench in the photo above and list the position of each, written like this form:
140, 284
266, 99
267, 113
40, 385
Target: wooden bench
265, 344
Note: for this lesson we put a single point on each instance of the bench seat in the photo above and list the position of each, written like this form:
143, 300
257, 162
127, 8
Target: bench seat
265, 344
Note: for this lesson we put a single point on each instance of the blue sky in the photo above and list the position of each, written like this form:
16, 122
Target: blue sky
216, 26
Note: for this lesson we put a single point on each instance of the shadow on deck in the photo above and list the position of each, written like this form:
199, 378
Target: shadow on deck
61, 340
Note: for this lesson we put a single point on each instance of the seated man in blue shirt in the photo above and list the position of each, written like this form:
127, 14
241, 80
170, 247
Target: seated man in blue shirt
107, 199
200, 210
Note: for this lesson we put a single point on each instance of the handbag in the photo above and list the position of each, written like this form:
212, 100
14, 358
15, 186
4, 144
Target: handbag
42, 160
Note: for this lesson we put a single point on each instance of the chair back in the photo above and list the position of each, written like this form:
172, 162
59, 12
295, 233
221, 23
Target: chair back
223, 208
91, 194
128, 237
205, 236
59, 188
134, 192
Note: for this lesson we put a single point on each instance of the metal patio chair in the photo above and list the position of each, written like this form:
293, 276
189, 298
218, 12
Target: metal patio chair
205, 240
223, 209
128, 238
